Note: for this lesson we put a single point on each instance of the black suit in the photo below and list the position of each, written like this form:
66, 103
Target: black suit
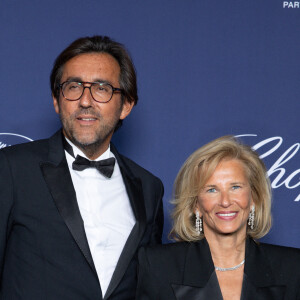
44, 252
185, 271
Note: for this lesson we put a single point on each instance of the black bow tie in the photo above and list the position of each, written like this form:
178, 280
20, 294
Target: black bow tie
105, 166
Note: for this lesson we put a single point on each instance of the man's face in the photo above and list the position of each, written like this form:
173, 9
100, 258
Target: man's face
86, 122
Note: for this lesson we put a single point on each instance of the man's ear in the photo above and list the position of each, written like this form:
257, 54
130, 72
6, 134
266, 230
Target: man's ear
55, 104
126, 109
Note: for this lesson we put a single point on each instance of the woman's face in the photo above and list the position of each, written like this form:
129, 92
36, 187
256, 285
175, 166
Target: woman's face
225, 200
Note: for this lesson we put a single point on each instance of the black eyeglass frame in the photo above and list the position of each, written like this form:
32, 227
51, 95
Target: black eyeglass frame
89, 87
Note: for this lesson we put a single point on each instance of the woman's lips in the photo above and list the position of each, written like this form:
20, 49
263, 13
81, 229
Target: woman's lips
228, 215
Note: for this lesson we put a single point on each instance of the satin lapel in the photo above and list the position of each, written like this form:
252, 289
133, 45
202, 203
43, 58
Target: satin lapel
135, 193
210, 291
184, 292
133, 187
58, 179
261, 282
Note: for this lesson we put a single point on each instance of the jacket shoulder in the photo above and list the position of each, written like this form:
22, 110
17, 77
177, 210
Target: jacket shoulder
281, 253
284, 261
27, 150
164, 256
138, 170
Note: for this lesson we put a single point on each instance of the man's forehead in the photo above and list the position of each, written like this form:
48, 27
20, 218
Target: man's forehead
97, 66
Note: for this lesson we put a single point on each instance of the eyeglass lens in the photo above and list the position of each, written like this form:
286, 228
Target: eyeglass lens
101, 92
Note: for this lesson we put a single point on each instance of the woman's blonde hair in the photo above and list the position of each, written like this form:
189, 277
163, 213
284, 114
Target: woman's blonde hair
196, 171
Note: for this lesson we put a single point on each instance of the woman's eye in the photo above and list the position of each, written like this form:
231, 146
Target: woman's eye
211, 190
235, 187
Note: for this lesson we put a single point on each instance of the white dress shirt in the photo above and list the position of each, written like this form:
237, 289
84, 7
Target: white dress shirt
106, 212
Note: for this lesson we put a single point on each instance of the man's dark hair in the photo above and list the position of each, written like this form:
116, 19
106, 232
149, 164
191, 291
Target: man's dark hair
98, 44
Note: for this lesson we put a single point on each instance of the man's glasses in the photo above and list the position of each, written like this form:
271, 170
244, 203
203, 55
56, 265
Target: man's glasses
101, 92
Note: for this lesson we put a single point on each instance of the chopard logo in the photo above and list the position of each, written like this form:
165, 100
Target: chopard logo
8, 139
277, 171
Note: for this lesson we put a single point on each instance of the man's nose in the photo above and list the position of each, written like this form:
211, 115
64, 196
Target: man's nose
86, 100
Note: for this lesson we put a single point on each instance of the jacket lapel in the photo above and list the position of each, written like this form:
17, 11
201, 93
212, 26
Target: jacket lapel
199, 265
261, 282
135, 193
210, 291
199, 280
58, 179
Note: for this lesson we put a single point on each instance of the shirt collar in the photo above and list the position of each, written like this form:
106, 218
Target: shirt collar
77, 151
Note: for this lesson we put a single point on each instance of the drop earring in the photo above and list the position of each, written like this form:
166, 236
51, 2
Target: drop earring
198, 224
251, 217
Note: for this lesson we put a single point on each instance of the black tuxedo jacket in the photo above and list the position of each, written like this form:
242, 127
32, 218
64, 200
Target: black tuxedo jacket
44, 253
185, 271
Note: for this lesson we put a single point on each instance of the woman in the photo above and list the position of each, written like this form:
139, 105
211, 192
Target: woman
222, 203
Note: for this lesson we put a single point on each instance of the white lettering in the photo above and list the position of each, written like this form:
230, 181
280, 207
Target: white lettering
298, 198
267, 141
277, 168
290, 4
17, 135
2, 145
281, 161
287, 181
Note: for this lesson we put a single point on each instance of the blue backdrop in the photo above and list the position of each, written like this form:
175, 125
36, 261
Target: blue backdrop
205, 68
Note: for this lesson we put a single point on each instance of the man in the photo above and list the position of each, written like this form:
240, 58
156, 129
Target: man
70, 225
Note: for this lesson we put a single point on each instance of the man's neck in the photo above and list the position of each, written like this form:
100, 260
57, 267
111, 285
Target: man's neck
92, 151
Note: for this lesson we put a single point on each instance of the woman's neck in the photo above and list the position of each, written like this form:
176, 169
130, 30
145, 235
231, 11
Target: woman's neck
226, 250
